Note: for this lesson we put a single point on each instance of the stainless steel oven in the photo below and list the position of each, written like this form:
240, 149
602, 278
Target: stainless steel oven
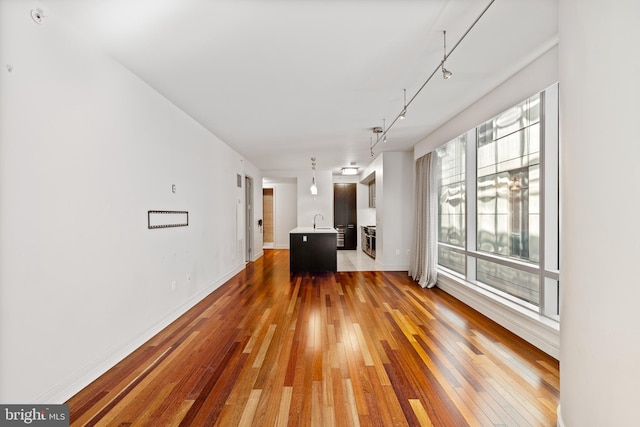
369, 240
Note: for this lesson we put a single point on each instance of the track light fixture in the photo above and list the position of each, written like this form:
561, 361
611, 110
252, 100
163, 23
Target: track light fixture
403, 113
445, 73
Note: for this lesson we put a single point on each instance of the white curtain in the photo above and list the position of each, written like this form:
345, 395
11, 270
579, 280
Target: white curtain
424, 263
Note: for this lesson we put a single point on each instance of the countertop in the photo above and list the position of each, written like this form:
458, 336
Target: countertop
311, 230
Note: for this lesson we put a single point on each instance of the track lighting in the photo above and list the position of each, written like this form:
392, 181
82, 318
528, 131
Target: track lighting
445, 73
37, 16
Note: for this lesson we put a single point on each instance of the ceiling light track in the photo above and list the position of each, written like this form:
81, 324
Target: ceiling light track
446, 74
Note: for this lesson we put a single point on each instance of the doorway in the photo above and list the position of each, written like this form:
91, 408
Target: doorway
267, 212
279, 210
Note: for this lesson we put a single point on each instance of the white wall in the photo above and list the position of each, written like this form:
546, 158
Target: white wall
599, 89
394, 208
86, 149
285, 211
308, 205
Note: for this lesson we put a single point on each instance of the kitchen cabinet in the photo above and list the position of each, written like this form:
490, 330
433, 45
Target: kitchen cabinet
312, 250
345, 215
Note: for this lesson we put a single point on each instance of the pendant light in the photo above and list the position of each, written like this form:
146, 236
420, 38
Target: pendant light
446, 74
384, 130
314, 187
403, 113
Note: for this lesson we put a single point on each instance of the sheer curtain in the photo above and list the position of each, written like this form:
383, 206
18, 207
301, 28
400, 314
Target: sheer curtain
424, 263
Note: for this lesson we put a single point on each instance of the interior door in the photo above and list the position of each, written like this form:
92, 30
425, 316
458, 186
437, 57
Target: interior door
267, 212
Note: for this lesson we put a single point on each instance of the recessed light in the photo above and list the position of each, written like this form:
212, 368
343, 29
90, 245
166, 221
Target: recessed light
350, 171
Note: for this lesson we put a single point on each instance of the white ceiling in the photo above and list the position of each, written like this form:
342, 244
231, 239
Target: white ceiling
282, 81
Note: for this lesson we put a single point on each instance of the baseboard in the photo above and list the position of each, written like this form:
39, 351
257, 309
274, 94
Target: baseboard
258, 255
536, 329
391, 267
90, 372
560, 422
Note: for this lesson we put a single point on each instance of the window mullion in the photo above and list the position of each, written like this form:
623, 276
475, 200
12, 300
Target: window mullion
471, 166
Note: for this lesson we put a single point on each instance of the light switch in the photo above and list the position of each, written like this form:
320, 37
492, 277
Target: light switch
304, 238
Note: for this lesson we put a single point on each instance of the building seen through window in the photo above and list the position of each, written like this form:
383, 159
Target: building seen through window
506, 204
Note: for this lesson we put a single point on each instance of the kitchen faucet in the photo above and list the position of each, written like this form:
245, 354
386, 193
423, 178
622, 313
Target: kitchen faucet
314, 219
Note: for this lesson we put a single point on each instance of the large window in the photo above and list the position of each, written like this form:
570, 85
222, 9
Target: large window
498, 222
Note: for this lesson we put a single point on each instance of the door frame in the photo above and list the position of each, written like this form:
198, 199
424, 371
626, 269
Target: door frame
248, 215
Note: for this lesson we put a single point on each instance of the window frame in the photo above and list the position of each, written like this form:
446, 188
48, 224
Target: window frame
547, 267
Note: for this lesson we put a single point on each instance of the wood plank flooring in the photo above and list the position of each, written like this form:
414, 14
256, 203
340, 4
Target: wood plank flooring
346, 349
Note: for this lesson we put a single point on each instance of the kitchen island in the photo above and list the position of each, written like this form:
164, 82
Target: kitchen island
313, 249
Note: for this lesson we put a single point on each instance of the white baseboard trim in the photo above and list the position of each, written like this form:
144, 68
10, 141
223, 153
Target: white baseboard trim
560, 422
541, 332
258, 255
391, 267
90, 372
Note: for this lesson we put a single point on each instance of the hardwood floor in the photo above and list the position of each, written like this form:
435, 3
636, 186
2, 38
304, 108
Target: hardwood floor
350, 348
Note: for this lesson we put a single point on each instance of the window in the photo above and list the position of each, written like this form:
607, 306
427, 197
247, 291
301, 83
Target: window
508, 177
492, 218
451, 205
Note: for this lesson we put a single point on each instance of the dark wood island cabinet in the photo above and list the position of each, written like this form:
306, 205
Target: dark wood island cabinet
313, 250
